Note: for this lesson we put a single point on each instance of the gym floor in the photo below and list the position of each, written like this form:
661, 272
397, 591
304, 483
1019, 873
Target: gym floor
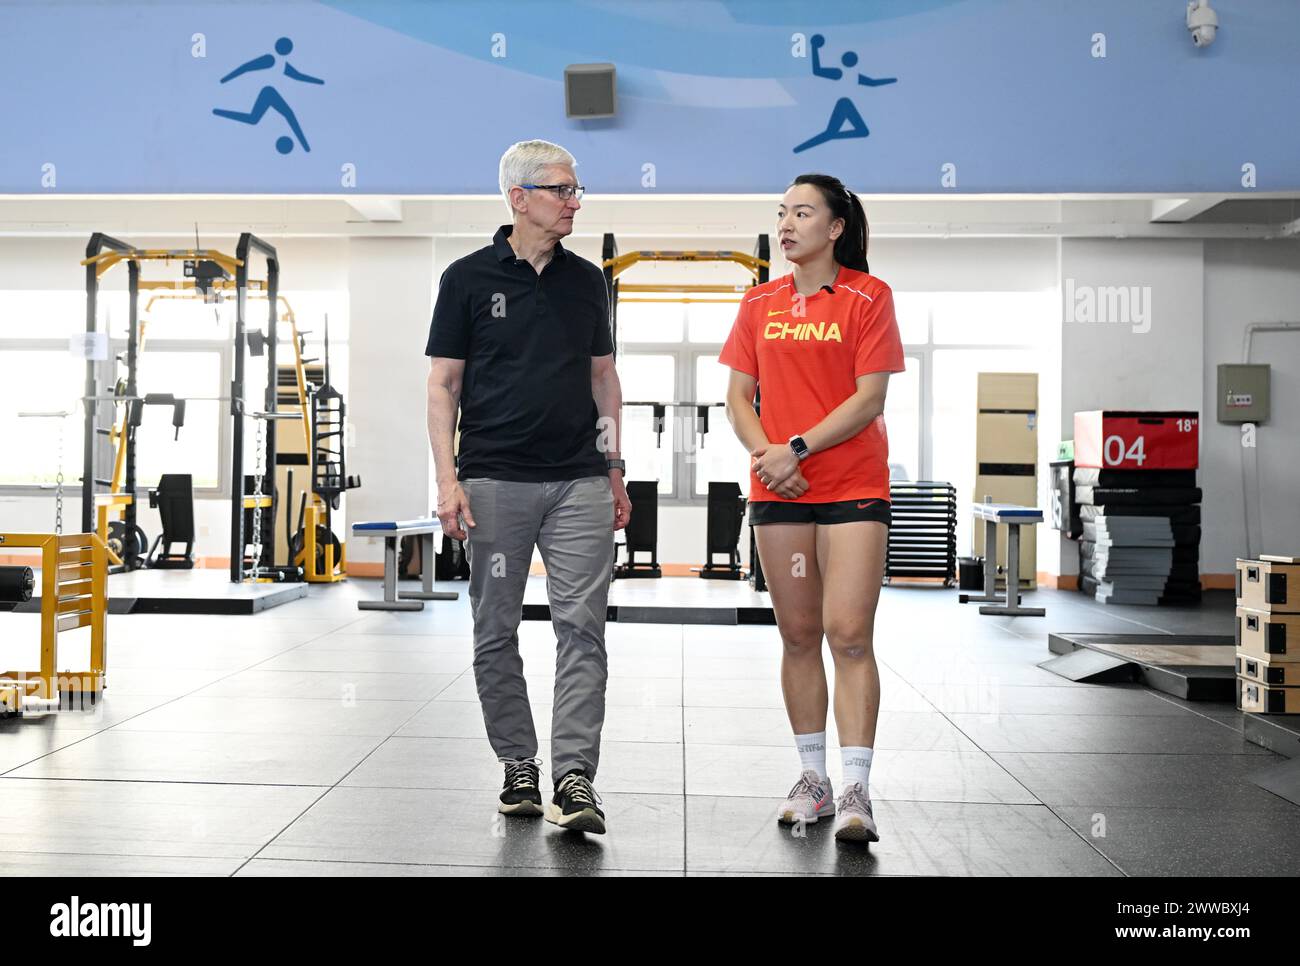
314, 739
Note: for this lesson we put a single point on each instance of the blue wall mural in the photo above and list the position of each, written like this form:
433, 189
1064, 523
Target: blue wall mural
412, 97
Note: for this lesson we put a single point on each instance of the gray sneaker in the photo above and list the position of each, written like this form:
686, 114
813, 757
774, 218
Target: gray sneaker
810, 799
853, 819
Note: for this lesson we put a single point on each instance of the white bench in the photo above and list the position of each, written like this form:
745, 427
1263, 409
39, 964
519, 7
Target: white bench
392, 531
1014, 517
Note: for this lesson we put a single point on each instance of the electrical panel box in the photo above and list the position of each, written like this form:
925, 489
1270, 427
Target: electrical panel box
1243, 393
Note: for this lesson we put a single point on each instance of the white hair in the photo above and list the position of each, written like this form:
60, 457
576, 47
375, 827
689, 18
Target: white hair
524, 162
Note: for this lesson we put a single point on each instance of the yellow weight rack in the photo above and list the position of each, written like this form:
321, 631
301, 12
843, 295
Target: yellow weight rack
74, 594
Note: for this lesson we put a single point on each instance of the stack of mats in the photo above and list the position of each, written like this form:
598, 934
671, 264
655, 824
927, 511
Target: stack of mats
923, 534
1141, 535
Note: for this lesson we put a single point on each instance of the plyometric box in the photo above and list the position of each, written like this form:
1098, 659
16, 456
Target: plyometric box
1269, 584
1261, 699
1114, 439
1271, 637
1275, 674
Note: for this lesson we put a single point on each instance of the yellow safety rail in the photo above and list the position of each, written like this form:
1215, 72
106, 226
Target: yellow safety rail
74, 594
685, 299
620, 263
685, 290
107, 259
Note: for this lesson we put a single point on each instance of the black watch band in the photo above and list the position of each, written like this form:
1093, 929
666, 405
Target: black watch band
620, 465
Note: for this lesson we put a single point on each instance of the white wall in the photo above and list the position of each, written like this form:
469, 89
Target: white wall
390, 281
1110, 365
1251, 281
965, 264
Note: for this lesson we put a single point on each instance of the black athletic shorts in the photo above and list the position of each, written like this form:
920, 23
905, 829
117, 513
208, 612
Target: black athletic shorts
842, 511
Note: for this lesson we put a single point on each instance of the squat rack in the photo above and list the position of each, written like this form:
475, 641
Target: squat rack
613, 264
758, 265
209, 270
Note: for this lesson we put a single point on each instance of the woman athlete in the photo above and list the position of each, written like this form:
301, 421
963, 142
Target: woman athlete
820, 343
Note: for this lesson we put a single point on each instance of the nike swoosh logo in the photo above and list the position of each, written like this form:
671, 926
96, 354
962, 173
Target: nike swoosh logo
863, 506
770, 313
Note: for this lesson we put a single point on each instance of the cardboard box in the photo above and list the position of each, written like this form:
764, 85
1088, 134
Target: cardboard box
1023, 491
1112, 439
1261, 699
1003, 391
1272, 673
1020, 490
1269, 585
1006, 438
1272, 637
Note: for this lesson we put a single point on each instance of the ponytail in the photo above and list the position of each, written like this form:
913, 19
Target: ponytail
851, 247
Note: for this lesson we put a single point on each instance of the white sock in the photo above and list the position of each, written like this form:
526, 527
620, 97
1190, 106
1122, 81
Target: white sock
857, 765
812, 752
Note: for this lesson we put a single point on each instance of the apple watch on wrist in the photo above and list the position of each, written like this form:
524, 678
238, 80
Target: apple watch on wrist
620, 465
799, 447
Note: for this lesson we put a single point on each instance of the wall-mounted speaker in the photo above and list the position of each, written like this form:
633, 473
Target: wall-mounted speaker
589, 91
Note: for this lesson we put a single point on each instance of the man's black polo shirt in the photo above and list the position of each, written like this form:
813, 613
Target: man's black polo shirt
526, 408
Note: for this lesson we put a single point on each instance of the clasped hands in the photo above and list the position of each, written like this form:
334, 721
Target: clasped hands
777, 468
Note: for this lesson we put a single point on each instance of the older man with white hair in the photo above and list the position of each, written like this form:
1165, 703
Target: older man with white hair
520, 343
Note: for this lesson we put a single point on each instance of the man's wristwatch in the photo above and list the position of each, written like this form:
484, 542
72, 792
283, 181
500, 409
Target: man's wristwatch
620, 465
799, 447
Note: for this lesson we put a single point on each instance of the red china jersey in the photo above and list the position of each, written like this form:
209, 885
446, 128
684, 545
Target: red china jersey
806, 359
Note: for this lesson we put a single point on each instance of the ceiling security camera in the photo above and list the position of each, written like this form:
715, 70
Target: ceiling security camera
1202, 21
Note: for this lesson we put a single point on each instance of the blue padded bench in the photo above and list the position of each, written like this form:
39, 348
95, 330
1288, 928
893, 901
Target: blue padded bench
1014, 517
392, 531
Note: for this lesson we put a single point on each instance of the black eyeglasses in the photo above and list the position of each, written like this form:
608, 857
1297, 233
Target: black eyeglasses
563, 191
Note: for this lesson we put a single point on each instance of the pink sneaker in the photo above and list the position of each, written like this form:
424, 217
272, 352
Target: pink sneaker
853, 819
809, 800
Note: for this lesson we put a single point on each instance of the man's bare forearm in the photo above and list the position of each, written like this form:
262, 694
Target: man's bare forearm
608, 394
441, 421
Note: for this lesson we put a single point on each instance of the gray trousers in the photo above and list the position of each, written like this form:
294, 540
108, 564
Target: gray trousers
571, 523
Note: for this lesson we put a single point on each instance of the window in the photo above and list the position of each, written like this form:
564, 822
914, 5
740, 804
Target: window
34, 381
186, 352
913, 314
992, 318
903, 419
650, 322
166, 317
718, 456
668, 352
197, 448
31, 314
711, 322
649, 377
